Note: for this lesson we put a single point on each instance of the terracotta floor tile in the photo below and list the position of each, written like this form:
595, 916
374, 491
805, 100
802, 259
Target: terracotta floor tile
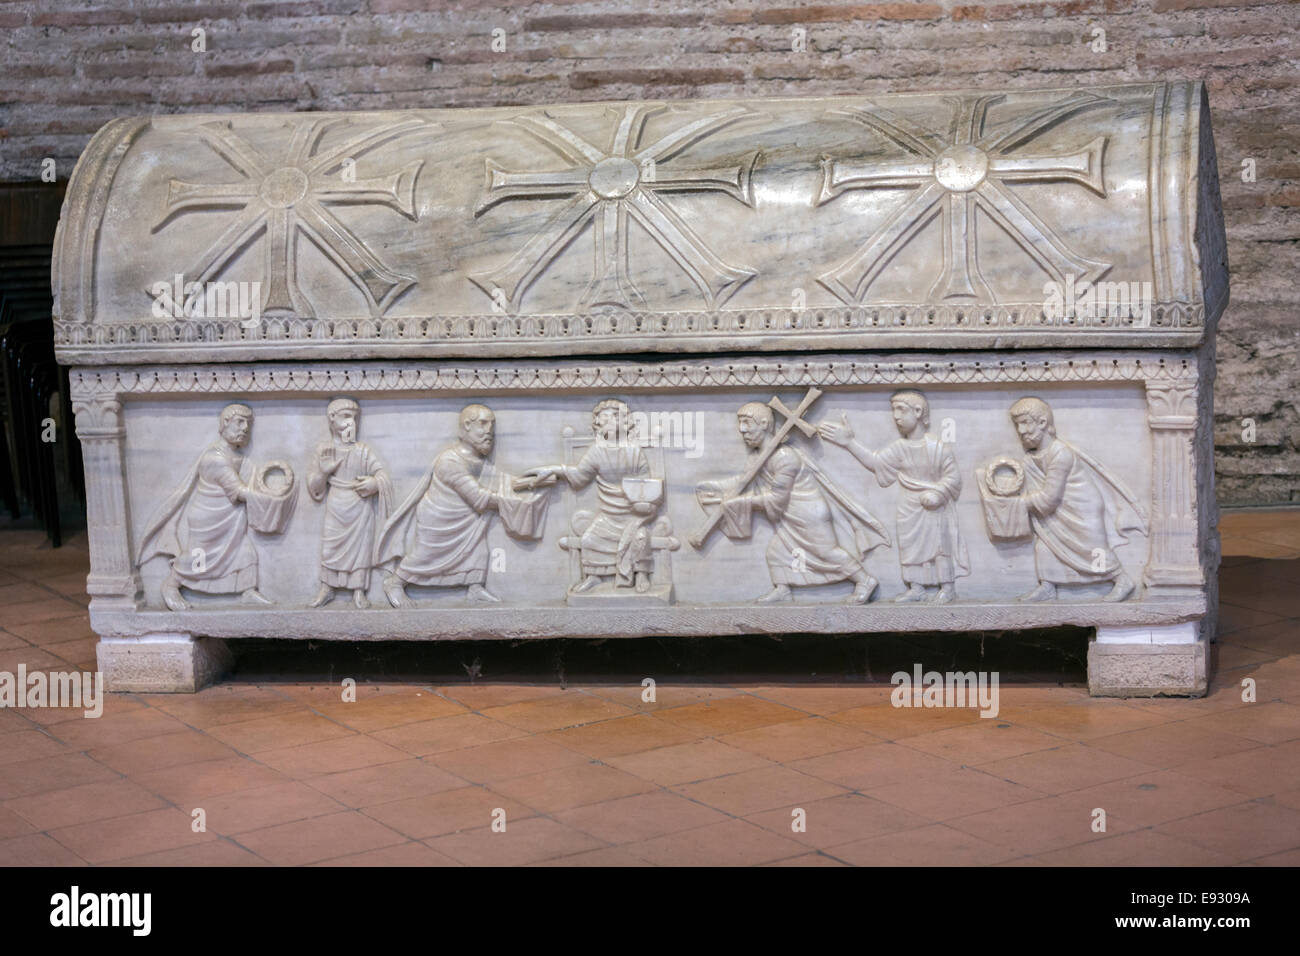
320, 838
824, 699
104, 841
155, 753
450, 811
530, 840
686, 763
570, 709
115, 705
875, 765
400, 854
447, 733
666, 694
1278, 639
840, 819
728, 715
1285, 858
1280, 601
887, 722
282, 730
60, 630
1222, 696
213, 853
571, 786
1027, 829
795, 739
1242, 832
330, 756
234, 813
1234, 617
90, 733
50, 773
80, 654
18, 592
808, 859
1065, 768
1256, 773
481, 696
8, 641
33, 658
12, 825
733, 843
49, 608
37, 849
953, 793
765, 788
1157, 797
982, 743
640, 817
1139, 848
25, 745
186, 785
1085, 723
228, 704
1290, 798
506, 758
386, 782
84, 804
12, 721
1271, 722
605, 856
623, 735
373, 712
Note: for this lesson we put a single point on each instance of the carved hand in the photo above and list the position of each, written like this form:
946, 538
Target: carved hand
327, 460
367, 486
709, 492
931, 500
837, 433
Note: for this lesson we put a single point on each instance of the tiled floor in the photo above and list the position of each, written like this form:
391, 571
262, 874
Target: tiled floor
289, 774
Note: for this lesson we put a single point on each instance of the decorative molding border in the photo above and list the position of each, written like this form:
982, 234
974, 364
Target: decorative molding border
627, 331
90, 384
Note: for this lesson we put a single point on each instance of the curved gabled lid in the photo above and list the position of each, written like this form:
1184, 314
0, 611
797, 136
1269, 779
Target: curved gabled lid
1076, 218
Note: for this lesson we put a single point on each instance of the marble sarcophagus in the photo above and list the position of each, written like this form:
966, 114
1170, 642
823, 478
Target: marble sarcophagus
907, 362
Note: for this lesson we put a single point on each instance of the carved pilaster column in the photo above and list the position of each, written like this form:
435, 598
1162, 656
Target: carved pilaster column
1174, 564
100, 429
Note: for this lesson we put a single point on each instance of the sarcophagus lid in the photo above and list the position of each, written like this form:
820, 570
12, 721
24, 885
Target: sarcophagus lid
1016, 219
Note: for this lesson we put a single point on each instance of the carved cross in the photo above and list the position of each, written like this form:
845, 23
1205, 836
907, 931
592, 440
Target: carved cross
951, 176
612, 187
280, 198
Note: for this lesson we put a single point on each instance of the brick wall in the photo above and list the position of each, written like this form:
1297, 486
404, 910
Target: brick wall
68, 67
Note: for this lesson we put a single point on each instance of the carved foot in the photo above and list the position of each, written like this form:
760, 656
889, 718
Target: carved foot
395, 591
642, 582
945, 595
862, 593
779, 593
1123, 588
171, 595
254, 596
479, 593
914, 592
323, 596
360, 600
586, 584
1046, 591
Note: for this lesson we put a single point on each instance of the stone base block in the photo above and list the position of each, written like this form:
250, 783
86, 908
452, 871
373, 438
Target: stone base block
1147, 669
162, 663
